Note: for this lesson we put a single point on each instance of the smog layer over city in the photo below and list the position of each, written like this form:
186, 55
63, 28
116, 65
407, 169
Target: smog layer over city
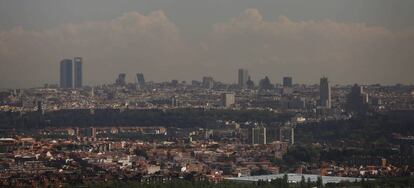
207, 93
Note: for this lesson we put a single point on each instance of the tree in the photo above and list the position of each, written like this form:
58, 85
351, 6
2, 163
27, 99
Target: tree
319, 182
303, 182
285, 181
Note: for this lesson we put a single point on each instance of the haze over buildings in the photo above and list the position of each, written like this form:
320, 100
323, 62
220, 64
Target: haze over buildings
287, 81
77, 111
183, 39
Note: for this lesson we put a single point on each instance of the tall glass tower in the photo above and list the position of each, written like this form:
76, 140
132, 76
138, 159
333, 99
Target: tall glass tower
66, 73
325, 93
78, 72
243, 77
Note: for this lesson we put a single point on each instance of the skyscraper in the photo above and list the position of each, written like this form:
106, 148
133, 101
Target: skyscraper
121, 80
78, 72
66, 73
287, 86
141, 80
243, 76
325, 93
357, 100
208, 82
287, 81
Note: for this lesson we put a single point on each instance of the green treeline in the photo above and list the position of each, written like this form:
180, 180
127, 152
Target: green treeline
114, 117
278, 183
376, 129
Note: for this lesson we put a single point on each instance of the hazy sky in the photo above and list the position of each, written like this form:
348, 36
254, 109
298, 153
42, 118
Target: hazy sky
364, 41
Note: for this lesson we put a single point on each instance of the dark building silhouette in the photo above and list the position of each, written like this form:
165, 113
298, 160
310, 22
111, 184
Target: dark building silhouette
195, 83
287, 82
242, 78
208, 82
141, 80
250, 83
78, 72
357, 100
66, 73
121, 80
265, 84
174, 83
325, 93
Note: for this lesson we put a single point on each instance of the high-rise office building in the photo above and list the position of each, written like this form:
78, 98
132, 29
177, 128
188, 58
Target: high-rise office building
243, 77
228, 99
357, 100
208, 82
287, 81
78, 72
141, 80
66, 74
325, 93
121, 80
257, 135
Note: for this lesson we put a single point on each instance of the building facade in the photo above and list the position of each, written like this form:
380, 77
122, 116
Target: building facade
78, 72
325, 93
66, 74
243, 77
357, 100
140, 80
257, 135
208, 82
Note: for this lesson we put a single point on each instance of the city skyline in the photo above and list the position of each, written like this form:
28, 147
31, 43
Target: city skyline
241, 79
202, 94
262, 37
